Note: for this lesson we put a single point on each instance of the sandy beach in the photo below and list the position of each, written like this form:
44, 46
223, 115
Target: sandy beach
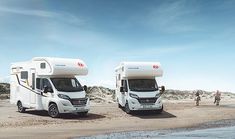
107, 118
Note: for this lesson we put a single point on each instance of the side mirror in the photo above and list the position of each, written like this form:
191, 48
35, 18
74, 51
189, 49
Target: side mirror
47, 89
85, 88
162, 89
122, 89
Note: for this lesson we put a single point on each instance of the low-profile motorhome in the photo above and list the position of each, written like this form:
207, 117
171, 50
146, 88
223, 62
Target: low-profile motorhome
45, 83
136, 87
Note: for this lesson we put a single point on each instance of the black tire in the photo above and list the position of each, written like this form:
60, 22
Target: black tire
21, 109
119, 106
161, 110
53, 111
82, 114
127, 109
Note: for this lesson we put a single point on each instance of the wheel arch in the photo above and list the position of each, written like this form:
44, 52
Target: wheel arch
51, 102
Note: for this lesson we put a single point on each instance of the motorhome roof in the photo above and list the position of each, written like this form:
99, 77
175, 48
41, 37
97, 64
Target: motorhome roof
56, 66
64, 66
140, 69
54, 59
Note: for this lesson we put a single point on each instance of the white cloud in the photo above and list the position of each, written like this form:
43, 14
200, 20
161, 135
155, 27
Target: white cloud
194, 82
5, 79
171, 17
80, 39
155, 51
63, 16
39, 13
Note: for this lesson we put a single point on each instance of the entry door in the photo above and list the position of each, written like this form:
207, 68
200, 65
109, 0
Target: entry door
33, 86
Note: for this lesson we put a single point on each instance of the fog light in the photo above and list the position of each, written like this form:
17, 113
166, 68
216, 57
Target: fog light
65, 104
133, 102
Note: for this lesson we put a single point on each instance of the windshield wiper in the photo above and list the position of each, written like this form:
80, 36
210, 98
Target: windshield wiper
143, 89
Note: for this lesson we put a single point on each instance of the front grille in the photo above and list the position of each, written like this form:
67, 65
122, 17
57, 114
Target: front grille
79, 101
147, 100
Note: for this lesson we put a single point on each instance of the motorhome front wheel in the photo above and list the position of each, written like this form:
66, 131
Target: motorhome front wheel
161, 110
53, 111
127, 109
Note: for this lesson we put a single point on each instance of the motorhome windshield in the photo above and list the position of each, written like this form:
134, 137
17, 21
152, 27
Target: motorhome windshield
142, 85
67, 84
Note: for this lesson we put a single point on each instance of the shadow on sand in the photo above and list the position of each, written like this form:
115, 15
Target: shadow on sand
153, 115
89, 116
214, 106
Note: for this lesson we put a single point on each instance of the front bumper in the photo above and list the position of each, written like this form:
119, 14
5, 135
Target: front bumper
134, 104
65, 106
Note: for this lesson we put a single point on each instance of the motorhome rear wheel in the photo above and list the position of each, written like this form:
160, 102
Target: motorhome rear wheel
21, 109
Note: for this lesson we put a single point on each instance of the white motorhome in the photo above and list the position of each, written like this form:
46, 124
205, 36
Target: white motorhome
136, 87
46, 83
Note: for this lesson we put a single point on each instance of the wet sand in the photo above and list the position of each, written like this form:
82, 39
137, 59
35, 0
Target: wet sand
211, 133
107, 118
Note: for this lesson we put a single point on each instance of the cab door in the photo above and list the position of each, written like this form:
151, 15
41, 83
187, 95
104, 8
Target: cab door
47, 96
124, 94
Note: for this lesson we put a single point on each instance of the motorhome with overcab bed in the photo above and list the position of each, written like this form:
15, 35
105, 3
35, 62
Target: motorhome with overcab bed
50, 84
136, 87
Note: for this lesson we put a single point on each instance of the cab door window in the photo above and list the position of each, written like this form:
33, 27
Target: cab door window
45, 82
124, 85
42, 82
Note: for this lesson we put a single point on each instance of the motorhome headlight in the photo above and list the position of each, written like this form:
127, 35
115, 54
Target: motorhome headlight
86, 96
133, 96
158, 95
63, 96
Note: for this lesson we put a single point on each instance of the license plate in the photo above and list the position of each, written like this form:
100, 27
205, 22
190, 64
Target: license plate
77, 102
147, 106
80, 109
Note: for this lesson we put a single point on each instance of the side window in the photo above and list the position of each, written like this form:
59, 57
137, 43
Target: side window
116, 82
73, 83
122, 68
38, 83
24, 75
33, 81
43, 65
119, 77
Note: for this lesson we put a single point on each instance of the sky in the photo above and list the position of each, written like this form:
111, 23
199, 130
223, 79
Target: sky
193, 39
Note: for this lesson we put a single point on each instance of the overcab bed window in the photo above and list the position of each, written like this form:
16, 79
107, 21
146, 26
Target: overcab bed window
43, 65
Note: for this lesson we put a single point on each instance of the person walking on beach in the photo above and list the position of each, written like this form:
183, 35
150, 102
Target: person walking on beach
217, 97
198, 98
